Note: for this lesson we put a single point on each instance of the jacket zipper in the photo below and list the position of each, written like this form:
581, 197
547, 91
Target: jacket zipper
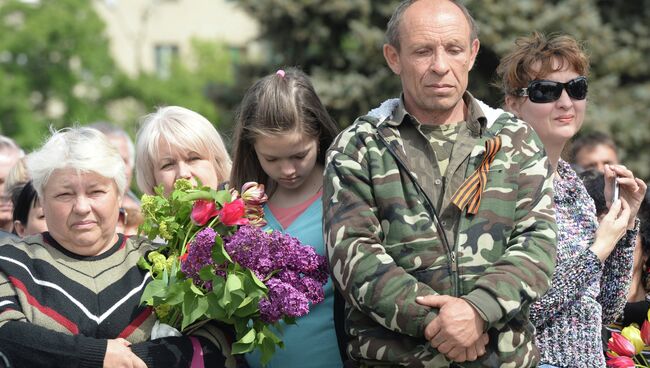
451, 255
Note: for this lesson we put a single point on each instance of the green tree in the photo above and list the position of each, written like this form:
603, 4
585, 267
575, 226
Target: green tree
338, 42
54, 66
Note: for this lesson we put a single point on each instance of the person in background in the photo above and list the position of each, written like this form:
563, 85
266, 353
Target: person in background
71, 296
28, 215
10, 153
438, 219
281, 135
593, 150
544, 80
130, 216
175, 142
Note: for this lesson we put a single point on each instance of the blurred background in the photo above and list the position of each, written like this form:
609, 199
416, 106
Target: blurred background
81, 61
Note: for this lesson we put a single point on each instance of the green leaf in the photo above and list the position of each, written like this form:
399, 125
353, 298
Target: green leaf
215, 311
245, 344
233, 283
267, 348
176, 294
256, 281
219, 254
144, 264
156, 288
248, 307
222, 196
196, 290
193, 308
207, 273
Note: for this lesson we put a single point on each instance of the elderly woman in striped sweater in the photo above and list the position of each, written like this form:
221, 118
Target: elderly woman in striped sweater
71, 296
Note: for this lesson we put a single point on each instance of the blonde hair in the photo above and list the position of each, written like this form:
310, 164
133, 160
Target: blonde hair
17, 176
180, 128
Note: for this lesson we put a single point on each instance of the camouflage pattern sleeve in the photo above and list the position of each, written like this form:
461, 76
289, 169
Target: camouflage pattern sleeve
522, 273
367, 276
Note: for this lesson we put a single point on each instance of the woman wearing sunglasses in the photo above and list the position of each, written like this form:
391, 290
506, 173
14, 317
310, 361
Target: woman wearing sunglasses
545, 83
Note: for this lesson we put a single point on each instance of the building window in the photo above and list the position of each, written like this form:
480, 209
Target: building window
165, 56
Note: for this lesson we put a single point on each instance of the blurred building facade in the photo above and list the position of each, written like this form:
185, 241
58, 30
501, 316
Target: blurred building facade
146, 35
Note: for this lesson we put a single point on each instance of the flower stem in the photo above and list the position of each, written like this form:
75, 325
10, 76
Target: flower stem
185, 241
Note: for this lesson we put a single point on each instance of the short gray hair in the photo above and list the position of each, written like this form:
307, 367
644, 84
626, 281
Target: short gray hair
181, 128
392, 30
80, 148
114, 131
8, 144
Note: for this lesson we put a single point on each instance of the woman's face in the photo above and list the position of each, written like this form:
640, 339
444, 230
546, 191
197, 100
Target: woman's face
174, 163
81, 210
35, 222
557, 121
289, 159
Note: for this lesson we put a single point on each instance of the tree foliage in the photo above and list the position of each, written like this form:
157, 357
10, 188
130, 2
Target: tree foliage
338, 42
56, 70
53, 65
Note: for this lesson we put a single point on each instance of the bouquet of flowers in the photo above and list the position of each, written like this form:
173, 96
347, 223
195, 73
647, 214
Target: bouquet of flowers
626, 349
218, 264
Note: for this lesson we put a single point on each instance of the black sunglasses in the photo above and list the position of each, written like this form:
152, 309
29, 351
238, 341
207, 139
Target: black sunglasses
543, 91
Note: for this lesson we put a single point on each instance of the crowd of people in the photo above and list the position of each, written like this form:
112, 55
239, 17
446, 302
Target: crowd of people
456, 233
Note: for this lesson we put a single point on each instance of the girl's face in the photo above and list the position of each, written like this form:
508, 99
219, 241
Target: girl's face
289, 158
557, 121
174, 163
35, 222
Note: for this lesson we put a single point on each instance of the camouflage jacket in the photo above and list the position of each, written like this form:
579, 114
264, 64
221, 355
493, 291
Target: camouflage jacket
385, 250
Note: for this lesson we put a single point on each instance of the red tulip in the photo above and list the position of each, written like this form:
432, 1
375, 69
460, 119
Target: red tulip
620, 345
202, 211
645, 332
233, 213
619, 361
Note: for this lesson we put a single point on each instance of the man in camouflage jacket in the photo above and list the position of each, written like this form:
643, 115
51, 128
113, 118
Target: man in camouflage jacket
394, 233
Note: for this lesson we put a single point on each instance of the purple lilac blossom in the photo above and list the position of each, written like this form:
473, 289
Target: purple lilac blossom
300, 272
199, 255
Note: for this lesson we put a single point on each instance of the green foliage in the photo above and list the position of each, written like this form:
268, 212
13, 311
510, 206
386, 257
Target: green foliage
56, 69
54, 64
186, 85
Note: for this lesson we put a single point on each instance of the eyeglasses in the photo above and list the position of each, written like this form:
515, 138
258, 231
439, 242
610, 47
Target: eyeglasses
543, 91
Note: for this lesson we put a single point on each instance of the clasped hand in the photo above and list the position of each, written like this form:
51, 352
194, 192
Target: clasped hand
457, 331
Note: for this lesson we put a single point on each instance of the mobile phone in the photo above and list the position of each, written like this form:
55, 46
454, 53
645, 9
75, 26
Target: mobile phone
616, 193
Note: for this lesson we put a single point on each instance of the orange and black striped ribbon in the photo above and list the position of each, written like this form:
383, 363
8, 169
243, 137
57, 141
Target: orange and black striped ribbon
469, 193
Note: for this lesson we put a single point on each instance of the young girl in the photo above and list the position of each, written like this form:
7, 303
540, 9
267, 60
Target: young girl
280, 139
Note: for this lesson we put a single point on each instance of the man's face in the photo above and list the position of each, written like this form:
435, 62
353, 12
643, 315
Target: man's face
434, 59
7, 160
123, 148
596, 157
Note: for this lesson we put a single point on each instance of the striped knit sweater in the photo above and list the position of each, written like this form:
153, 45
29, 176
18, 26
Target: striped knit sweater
58, 309
585, 293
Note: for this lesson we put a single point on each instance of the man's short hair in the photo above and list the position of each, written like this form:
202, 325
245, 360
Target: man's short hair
111, 130
590, 140
392, 30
